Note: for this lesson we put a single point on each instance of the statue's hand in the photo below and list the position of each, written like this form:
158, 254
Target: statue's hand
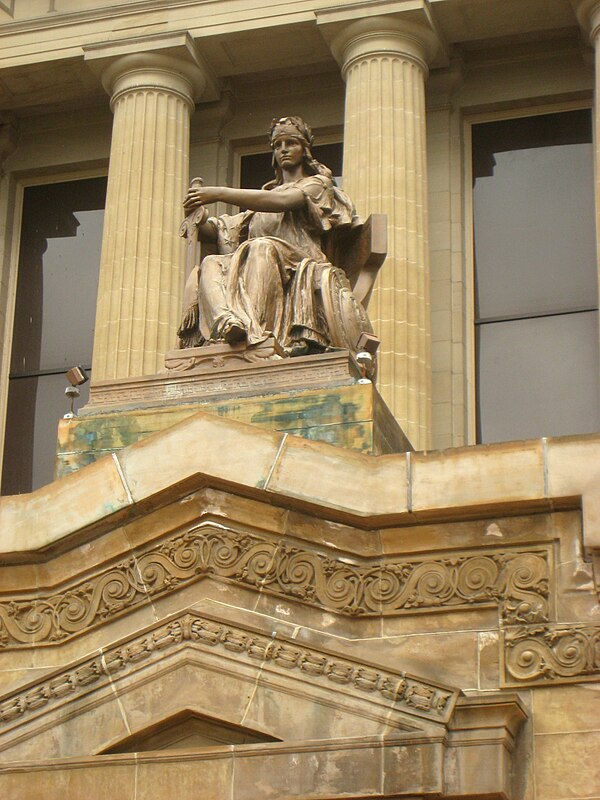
200, 196
191, 201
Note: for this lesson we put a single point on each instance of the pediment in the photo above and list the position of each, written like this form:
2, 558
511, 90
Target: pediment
187, 730
194, 675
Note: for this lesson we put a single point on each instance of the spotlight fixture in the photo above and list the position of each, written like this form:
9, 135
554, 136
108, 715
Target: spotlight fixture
366, 346
76, 376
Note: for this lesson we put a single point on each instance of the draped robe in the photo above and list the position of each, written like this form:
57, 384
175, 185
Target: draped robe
267, 274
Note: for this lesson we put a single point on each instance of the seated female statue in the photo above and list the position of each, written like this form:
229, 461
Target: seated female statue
270, 276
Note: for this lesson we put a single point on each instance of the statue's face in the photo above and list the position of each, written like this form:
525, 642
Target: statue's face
288, 152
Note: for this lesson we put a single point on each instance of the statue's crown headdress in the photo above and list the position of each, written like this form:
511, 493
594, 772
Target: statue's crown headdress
291, 126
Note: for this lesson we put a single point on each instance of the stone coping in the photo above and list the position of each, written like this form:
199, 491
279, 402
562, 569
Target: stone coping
281, 469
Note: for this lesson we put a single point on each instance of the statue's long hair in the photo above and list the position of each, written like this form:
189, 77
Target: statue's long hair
310, 165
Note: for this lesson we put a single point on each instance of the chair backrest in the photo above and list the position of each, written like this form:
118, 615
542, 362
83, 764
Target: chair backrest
360, 252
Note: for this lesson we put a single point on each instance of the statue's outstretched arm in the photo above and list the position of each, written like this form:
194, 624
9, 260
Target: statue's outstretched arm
254, 199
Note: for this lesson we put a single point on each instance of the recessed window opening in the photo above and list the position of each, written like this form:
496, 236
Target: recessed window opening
55, 308
536, 284
256, 169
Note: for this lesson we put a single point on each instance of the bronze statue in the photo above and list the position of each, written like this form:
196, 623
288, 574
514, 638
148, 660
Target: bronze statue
270, 275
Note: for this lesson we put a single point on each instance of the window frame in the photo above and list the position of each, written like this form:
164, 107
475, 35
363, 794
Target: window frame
469, 120
17, 182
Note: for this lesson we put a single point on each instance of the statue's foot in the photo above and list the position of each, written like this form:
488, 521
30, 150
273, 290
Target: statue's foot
304, 347
299, 348
234, 332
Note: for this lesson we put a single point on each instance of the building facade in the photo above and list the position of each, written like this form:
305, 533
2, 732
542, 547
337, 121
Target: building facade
471, 125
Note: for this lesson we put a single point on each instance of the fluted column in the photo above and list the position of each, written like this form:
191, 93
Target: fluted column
142, 263
384, 64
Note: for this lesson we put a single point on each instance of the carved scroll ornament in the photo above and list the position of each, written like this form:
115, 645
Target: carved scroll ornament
514, 580
551, 652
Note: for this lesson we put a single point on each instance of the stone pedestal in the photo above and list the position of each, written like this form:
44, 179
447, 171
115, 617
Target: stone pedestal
316, 397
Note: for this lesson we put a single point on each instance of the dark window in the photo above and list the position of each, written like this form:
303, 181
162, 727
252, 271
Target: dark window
257, 169
536, 296
57, 286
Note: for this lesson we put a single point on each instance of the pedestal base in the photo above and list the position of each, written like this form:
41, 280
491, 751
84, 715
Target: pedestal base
317, 397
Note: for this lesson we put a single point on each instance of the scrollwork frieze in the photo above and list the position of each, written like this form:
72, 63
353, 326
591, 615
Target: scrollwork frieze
515, 580
555, 653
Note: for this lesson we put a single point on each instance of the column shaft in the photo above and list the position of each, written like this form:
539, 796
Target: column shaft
142, 262
385, 171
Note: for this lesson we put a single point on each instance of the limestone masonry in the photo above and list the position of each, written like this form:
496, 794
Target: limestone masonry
301, 571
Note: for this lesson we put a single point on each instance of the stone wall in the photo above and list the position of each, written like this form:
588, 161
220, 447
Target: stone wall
409, 625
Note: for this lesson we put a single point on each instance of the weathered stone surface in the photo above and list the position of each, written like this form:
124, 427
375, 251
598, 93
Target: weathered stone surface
226, 379
351, 416
63, 508
576, 776
479, 476
574, 470
574, 708
303, 592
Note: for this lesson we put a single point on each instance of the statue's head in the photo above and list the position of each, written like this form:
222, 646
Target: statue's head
291, 127
295, 128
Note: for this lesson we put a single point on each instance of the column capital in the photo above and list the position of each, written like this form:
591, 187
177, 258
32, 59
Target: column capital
162, 62
410, 35
588, 16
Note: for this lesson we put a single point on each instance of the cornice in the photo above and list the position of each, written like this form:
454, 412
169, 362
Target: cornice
393, 690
